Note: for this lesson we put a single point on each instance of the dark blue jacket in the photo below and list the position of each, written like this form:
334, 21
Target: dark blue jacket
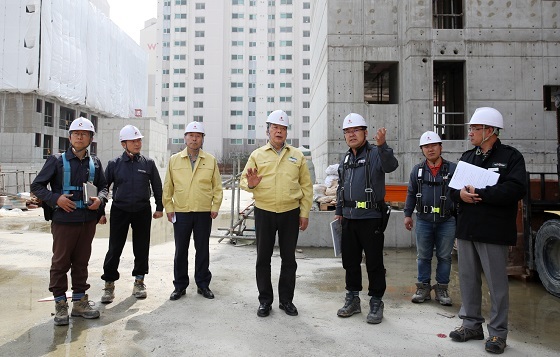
352, 179
431, 192
52, 174
131, 180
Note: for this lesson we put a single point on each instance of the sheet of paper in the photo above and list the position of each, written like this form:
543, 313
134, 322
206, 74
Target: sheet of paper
336, 232
469, 174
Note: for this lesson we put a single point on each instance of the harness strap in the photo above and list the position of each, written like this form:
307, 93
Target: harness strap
420, 179
66, 187
370, 201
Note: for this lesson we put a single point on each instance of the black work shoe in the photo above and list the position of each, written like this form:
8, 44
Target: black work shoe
264, 309
495, 344
206, 292
176, 294
375, 315
351, 306
463, 334
289, 308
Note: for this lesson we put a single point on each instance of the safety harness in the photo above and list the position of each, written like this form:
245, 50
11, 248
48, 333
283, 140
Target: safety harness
442, 198
370, 201
66, 187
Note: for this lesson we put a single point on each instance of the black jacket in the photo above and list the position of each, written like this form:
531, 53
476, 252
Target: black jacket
52, 174
131, 180
493, 220
431, 192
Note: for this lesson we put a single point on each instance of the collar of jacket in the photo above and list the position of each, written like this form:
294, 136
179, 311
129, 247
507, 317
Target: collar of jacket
70, 154
360, 149
269, 146
125, 156
185, 153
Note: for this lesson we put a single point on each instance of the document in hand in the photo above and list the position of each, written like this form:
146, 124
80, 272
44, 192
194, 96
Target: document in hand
469, 174
336, 232
90, 190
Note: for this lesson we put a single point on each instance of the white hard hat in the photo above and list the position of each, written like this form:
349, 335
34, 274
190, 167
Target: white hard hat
487, 116
353, 120
278, 117
195, 127
130, 132
82, 124
429, 137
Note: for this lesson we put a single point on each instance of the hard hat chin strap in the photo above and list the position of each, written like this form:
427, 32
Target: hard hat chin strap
78, 151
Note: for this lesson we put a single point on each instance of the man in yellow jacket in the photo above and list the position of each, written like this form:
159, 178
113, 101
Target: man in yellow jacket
279, 179
192, 195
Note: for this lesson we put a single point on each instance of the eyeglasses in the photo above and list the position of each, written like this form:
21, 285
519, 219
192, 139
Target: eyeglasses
81, 134
352, 131
279, 128
471, 129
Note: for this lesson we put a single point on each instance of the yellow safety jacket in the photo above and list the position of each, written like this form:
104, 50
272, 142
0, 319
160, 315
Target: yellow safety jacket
188, 190
286, 183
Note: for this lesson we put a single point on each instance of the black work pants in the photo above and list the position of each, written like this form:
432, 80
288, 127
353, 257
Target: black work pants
358, 235
119, 221
200, 225
266, 225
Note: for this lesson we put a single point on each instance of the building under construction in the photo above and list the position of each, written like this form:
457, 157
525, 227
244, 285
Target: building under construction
413, 66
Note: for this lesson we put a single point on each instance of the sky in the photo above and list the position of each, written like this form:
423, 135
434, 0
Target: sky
130, 15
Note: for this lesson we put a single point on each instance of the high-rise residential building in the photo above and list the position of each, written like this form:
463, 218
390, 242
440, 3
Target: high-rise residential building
229, 64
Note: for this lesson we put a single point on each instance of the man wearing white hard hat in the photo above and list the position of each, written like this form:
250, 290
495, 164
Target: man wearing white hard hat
74, 217
132, 175
192, 195
486, 227
435, 222
362, 211
278, 177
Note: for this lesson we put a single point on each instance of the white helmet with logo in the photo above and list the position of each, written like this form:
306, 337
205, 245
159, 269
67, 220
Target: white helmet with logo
82, 124
195, 127
429, 137
353, 120
487, 116
130, 132
278, 117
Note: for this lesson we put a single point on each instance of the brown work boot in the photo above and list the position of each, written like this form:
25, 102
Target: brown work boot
442, 294
139, 289
61, 317
423, 291
83, 308
109, 293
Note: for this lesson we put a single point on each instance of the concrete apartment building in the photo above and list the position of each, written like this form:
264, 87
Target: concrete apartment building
229, 64
60, 60
413, 66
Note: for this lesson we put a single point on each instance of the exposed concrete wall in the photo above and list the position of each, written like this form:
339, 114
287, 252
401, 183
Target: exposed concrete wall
510, 51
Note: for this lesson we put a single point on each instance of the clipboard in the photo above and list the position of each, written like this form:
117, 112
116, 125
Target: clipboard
336, 232
90, 190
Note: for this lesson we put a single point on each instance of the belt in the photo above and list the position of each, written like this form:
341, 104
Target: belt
432, 209
363, 204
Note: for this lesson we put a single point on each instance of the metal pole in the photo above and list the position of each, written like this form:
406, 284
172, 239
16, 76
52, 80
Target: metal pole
232, 194
238, 184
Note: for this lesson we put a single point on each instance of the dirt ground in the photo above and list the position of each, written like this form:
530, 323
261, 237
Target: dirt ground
228, 325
